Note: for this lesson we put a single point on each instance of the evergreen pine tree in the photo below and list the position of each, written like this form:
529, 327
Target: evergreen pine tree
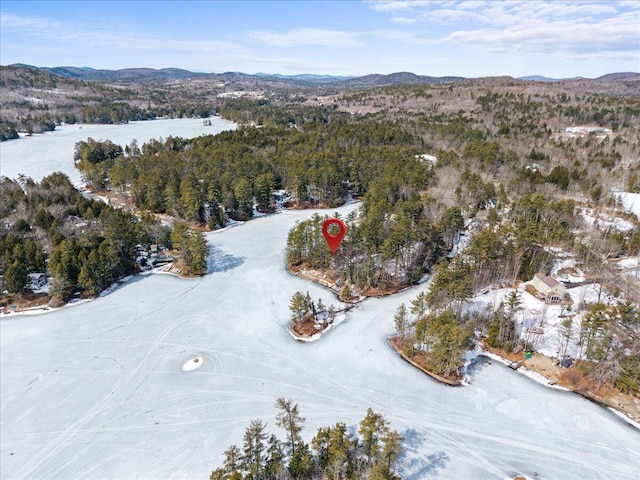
15, 277
253, 452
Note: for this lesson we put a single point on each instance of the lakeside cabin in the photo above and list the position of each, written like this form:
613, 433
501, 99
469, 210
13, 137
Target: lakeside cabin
552, 290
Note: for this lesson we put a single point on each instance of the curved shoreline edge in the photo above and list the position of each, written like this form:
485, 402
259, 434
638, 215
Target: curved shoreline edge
435, 376
45, 308
545, 381
532, 373
332, 286
309, 339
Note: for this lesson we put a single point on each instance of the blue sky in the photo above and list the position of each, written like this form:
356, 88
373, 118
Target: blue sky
466, 38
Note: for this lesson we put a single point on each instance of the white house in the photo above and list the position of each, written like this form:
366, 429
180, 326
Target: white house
552, 290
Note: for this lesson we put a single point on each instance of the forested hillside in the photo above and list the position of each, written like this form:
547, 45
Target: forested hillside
84, 245
35, 101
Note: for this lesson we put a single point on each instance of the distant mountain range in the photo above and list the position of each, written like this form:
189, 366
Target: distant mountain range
124, 75
133, 75
399, 78
539, 78
305, 77
610, 77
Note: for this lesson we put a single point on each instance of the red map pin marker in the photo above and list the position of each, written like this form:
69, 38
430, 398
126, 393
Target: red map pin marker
334, 240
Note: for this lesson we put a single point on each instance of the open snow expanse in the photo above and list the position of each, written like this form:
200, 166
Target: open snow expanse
98, 390
42, 154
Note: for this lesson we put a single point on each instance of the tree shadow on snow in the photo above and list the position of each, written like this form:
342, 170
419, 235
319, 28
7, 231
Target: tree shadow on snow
219, 261
413, 464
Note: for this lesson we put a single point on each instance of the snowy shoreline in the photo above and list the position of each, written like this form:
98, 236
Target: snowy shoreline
542, 380
44, 309
340, 318
471, 355
53, 151
435, 376
96, 388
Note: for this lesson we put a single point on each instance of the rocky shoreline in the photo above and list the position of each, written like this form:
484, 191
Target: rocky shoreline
453, 382
546, 371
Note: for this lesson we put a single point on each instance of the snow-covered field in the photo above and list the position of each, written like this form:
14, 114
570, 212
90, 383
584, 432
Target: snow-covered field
98, 390
538, 322
630, 201
40, 155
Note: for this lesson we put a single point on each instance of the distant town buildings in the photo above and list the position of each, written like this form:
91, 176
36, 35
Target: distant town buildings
240, 93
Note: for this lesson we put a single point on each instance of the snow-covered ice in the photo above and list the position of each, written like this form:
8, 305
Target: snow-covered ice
97, 390
40, 155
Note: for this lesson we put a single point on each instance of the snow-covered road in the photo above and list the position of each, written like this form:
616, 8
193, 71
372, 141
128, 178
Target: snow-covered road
97, 390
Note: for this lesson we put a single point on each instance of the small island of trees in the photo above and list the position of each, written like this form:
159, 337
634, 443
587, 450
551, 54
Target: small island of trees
334, 452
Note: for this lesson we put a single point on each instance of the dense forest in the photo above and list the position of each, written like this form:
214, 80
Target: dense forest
401, 230
321, 162
83, 244
334, 451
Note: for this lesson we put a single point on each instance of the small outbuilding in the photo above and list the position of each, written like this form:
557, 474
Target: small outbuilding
552, 290
566, 362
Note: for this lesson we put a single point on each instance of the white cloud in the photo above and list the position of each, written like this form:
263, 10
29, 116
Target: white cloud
394, 5
561, 10
472, 5
403, 20
31, 24
533, 37
116, 37
503, 12
561, 30
450, 16
305, 37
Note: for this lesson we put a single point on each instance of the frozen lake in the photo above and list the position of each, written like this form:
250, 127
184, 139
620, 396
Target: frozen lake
40, 155
98, 390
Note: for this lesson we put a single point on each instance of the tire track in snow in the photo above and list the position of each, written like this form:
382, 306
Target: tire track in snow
67, 435
165, 402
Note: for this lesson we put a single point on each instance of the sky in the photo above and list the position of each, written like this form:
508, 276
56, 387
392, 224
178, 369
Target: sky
556, 39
